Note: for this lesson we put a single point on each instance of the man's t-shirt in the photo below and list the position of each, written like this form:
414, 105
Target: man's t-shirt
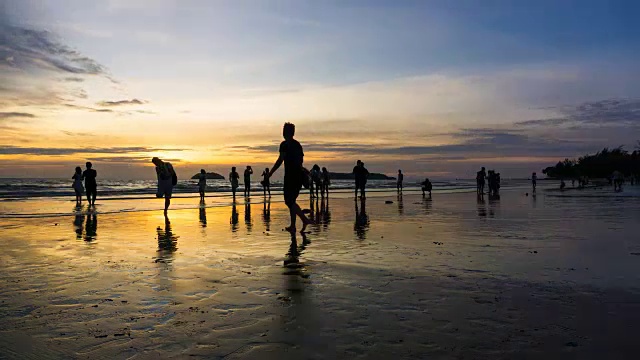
360, 173
400, 177
89, 176
247, 175
293, 156
481, 175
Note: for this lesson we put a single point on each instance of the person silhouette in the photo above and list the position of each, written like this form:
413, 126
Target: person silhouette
480, 178
316, 179
326, 181
360, 174
77, 185
427, 186
534, 181
90, 184
167, 179
202, 184
292, 155
234, 177
247, 181
400, 180
266, 182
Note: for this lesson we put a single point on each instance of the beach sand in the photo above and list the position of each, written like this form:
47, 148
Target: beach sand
451, 277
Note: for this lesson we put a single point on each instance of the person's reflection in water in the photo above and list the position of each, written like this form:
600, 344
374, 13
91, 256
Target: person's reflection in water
494, 204
91, 227
362, 220
247, 215
481, 205
78, 222
325, 214
292, 258
167, 242
427, 201
266, 214
400, 204
234, 217
203, 216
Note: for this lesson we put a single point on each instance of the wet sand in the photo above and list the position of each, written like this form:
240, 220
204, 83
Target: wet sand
447, 277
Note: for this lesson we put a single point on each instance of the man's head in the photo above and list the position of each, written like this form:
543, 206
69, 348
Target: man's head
288, 130
202, 171
233, 168
89, 165
156, 161
482, 168
399, 171
358, 162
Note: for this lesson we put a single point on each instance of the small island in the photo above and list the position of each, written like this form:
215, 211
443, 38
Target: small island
350, 176
210, 176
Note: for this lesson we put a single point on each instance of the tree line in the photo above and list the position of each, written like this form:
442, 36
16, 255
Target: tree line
599, 165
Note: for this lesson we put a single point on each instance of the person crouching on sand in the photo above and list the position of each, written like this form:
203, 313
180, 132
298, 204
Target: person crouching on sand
292, 155
426, 186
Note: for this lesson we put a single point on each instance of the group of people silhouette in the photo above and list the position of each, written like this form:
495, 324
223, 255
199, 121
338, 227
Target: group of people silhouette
492, 178
291, 155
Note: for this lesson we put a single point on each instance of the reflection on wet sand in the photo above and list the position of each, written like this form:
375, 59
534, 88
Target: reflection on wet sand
481, 206
167, 242
494, 205
78, 222
400, 204
91, 227
266, 214
203, 216
292, 258
234, 217
325, 214
427, 201
247, 215
362, 220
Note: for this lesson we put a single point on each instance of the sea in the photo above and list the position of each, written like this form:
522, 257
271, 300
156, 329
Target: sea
16, 189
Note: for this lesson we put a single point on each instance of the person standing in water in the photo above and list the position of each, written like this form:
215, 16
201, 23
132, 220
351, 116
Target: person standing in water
266, 182
247, 181
534, 181
167, 179
202, 184
400, 180
480, 177
234, 177
326, 181
77, 185
292, 155
90, 184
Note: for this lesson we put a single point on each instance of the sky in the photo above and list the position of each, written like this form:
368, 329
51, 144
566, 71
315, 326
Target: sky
436, 88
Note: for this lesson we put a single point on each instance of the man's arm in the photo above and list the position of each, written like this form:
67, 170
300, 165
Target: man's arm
277, 164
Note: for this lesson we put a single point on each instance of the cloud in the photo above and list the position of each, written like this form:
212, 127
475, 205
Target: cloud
77, 134
19, 150
29, 49
619, 112
122, 102
8, 115
88, 108
73, 79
